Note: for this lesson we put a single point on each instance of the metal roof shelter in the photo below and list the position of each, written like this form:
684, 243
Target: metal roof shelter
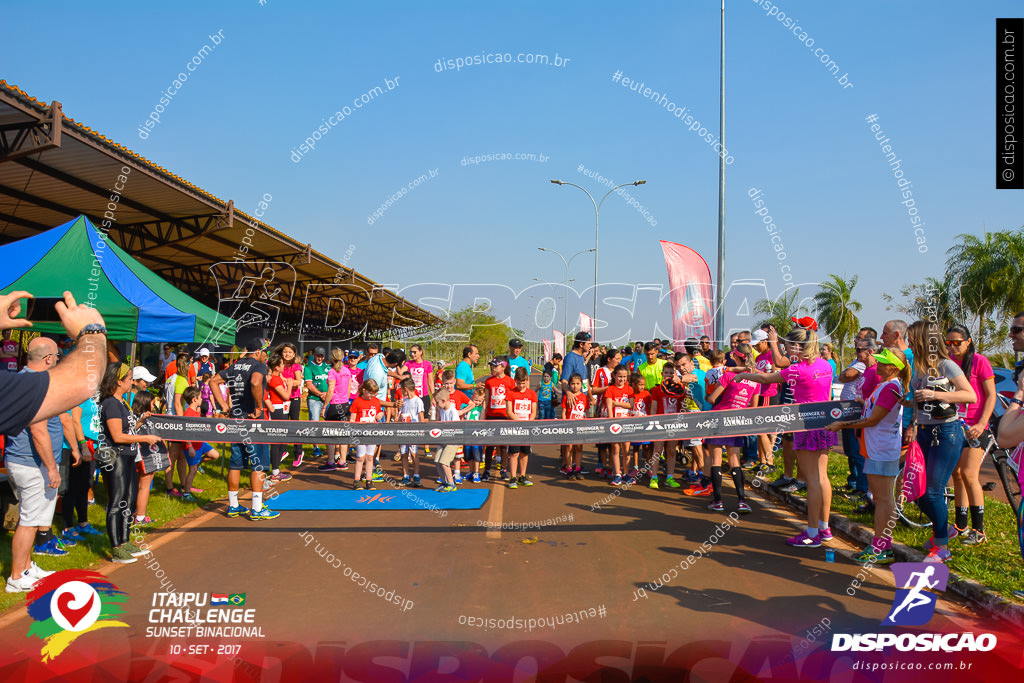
52, 169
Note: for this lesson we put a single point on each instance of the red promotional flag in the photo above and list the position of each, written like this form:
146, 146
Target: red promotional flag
547, 350
559, 342
586, 323
689, 280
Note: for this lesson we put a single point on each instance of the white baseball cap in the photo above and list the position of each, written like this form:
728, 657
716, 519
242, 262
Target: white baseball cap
142, 373
203, 352
758, 336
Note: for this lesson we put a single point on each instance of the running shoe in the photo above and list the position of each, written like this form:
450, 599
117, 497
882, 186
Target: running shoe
69, 539
280, 476
343, 465
938, 555
870, 556
513, 484
236, 510
24, 583
134, 550
485, 476
929, 545
297, 462
578, 474
699, 490
654, 483
121, 556
671, 482
317, 452
564, 470
476, 477
743, 507
525, 482
716, 506
327, 467
195, 490
629, 480
781, 482
367, 485
599, 471
264, 513
457, 478
188, 497
693, 477
34, 570
582, 471
90, 530
825, 535
792, 487
973, 537
868, 508
504, 474
145, 520
801, 485
448, 489
174, 492
51, 548
804, 541
378, 475
416, 480
617, 480
406, 480
749, 465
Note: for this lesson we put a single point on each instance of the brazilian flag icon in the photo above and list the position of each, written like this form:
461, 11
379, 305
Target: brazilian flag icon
236, 599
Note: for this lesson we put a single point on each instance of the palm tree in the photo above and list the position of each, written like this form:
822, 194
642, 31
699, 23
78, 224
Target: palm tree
780, 311
837, 310
986, 274
932, 299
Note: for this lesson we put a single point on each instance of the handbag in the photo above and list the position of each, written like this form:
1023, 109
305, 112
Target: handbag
939, 410
105, 457
914, 483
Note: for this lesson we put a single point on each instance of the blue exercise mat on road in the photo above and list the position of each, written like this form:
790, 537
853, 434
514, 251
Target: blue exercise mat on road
389, 499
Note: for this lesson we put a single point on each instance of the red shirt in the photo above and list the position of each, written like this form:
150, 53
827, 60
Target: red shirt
602, 379
365, 411
497, 389
196, 445
523, 403
621, 394
458, 399
578, 410
664, 402
641, 403
275, 398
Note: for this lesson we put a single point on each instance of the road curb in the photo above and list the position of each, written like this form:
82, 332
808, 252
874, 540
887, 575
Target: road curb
982, 597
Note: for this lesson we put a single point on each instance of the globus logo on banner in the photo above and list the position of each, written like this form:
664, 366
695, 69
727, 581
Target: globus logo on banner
914, 605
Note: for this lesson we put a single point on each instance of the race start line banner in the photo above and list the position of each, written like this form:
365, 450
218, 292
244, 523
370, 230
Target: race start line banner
718, 423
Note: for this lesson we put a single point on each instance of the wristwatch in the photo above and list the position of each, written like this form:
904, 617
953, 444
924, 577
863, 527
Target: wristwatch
1017, 401
91, 328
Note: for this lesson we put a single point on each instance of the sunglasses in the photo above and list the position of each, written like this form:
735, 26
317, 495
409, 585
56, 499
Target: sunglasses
957, 342
1016, 330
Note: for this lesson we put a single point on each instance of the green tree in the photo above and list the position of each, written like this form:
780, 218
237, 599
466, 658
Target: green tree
984, 276
837, 310
780, 311
480, 328
931, 299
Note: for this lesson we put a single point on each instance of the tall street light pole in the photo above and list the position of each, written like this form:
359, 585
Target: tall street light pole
720, 290
565, 308
597, 219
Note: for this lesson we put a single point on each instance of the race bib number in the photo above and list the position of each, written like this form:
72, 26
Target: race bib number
522, 408
498, 398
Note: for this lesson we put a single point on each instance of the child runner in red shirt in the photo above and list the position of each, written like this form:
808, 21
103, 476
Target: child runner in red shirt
617, 404
641, 401
520, 406
575, 410
497, 387
668, 398
366, 408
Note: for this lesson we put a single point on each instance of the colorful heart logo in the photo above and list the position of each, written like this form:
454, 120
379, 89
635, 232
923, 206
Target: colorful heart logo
221, 428
435, 433
615, 429
75, 606
836, 412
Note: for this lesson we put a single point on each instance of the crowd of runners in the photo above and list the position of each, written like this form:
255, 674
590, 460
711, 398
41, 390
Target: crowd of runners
916, 385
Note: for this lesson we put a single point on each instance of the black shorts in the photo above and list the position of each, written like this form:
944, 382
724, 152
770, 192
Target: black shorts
336, 412
775, 399
522, 450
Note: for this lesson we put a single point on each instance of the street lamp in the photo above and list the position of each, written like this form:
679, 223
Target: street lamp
597, 218
565, 308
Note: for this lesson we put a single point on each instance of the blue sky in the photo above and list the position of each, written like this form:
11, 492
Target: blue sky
925, 69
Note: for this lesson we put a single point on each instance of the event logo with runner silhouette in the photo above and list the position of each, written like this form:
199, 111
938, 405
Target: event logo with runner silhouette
914, 603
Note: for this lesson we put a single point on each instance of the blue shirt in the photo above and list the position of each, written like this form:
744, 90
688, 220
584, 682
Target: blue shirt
573, 363
908, 415
698, 390
19, 448
378, 372
519, 362
464, 371
637, 359
90, 419
544, 391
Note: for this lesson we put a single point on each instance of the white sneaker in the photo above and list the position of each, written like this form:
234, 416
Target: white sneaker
38, 572
22, 584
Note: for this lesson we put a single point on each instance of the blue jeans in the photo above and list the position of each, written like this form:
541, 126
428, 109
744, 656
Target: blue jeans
316, 408
939, 462
851, 446
545, 411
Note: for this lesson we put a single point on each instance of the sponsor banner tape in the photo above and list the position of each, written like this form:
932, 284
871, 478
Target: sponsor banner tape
716, 423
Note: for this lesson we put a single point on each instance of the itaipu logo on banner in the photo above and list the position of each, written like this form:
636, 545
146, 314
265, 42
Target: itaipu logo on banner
70, 603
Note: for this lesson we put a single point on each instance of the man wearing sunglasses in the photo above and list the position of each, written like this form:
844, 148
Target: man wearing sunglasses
1017, 342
